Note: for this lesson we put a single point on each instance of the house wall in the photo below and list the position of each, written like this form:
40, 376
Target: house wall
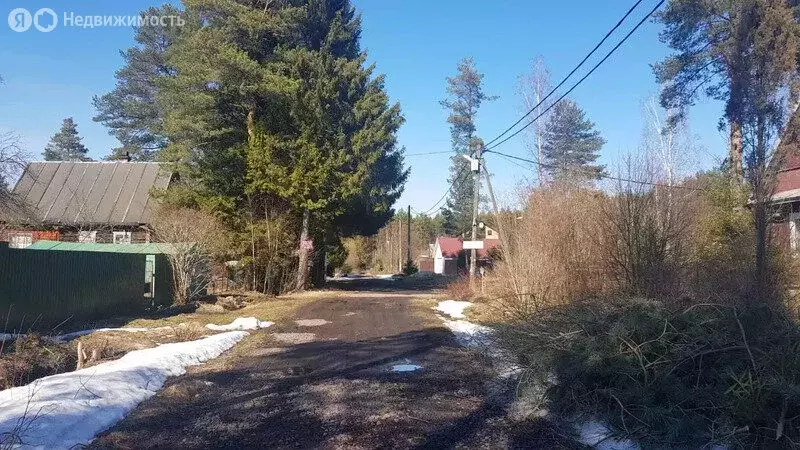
102, 236
106, 236
450, 267
425, 264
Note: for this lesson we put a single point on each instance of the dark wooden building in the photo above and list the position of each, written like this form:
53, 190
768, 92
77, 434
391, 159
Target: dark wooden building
88, 202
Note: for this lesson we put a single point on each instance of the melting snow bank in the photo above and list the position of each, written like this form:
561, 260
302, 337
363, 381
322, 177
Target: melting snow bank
66, 410
467, 334
242, 323
598, 436
478, 337
453, 308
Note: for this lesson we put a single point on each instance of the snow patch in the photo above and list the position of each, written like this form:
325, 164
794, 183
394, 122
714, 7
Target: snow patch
479, 337
67, 410
596, 435
405, 368
242, 323
453, 308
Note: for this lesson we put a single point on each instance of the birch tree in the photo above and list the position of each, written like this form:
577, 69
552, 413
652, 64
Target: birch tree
533, 88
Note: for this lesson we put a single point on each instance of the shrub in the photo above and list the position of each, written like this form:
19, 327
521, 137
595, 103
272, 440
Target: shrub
551, 252
703, 375
460, 289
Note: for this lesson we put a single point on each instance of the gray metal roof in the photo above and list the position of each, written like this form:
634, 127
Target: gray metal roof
84, 193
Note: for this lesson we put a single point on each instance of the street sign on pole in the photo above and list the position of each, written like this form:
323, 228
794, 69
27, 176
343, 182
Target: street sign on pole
473, 245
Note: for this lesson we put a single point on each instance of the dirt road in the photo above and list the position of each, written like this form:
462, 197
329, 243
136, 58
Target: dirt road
324, 380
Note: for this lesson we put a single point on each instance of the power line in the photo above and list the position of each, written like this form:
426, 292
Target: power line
607, 177
608, 55
585, 58
512, 161
457, 179
429, 153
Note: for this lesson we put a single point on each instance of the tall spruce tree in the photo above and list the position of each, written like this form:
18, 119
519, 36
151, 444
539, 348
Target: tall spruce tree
571, 144
66, 145
464, 98
130, 110
336, 162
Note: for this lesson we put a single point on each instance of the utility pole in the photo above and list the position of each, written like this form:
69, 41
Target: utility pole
475, 165
504, 242
399, 245
408, 239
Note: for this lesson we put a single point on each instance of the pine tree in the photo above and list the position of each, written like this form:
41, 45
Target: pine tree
465, 96
66, 145
131, 111
571, 144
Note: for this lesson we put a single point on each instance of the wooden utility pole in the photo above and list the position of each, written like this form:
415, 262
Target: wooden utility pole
476, 182
399, 245
504, 242
408, 239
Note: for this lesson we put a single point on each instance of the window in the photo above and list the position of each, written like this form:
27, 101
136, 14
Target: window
87, 236
122, 237
488, 232
20, 240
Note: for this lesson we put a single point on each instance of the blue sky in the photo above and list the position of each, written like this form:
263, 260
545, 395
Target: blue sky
416, 43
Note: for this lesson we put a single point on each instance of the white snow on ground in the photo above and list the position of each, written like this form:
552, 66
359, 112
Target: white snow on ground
67, 410
405, 368
242, 323
479, 337
453, 308
9, 336
468, 334
596, 435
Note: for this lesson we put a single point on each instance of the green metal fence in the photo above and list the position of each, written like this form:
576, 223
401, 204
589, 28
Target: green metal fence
50, 283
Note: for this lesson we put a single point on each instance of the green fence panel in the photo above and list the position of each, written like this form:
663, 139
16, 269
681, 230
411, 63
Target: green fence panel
42, 288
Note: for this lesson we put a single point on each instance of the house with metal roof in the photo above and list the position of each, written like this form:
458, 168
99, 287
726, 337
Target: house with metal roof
85, 202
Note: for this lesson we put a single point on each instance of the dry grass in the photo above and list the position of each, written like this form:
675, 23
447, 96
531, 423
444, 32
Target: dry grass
33, 357
460, 289
552, 250
259, 306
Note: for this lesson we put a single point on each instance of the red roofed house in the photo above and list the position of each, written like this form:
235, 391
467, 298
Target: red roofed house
447, 251
786, 197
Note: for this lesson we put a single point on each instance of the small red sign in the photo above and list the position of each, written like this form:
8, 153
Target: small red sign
307, 245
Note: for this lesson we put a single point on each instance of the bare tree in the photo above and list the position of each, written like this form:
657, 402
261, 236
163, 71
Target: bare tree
533, 88
667, 144
193, 236
12, 162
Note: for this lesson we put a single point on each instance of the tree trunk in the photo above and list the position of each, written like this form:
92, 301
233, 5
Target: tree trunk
251, 119
736, 151
760, 210
302, 269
